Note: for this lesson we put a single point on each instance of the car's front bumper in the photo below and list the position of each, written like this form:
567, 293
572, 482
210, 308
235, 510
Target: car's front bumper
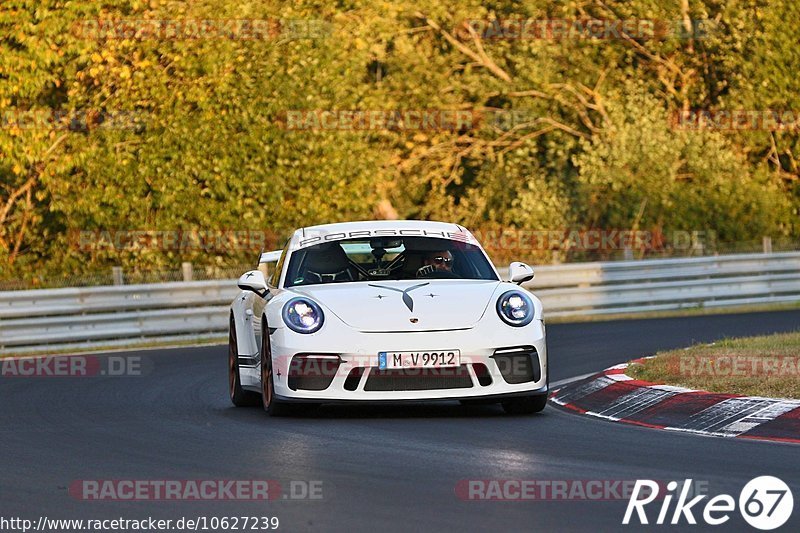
485, 373
544, 391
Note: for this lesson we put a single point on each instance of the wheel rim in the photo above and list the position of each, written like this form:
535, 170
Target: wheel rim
266, 374
267, 386
232, 364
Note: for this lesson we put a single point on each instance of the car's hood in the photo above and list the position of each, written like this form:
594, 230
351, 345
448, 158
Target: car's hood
416, 305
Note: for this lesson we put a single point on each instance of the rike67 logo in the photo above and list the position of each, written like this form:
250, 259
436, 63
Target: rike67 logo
765, 503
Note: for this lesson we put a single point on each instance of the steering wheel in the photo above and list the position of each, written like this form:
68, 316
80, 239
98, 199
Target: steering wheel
429, 272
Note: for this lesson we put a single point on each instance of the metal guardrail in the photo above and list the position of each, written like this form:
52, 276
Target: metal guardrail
78, 318
667, 284
56, 319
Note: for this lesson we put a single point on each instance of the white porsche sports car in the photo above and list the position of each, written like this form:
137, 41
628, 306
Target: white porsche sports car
385, 311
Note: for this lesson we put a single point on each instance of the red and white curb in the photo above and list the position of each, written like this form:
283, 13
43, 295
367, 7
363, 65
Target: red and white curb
615, 396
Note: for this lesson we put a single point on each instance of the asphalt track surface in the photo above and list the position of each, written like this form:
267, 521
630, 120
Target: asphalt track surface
386, 468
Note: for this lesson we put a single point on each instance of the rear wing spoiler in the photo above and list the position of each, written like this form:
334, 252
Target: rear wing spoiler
270, 257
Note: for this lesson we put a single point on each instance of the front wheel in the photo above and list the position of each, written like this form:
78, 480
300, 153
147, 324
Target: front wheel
272, 406
239, 396
525, 405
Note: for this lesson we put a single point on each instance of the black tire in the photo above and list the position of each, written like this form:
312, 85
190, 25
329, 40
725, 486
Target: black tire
239, 396
272, 406
525, 405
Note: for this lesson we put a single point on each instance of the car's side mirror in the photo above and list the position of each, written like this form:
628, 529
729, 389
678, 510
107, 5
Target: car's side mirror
254, 281
268, 260
519, 273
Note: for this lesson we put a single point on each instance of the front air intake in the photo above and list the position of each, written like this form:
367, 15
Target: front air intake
312, 371
519, 364
409, 379
353, 378
482, 373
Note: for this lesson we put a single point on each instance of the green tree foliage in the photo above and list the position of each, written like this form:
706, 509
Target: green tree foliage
122, 132
640, 173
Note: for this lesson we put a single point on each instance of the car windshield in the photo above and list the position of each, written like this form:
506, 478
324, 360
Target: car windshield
403, 258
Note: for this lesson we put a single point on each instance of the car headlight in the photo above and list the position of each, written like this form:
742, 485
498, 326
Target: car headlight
515, 308
303, 315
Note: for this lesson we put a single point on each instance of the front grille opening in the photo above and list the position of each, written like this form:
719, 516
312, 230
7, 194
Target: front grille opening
482, 373
406, 379
518, 365
309, 372
353, 379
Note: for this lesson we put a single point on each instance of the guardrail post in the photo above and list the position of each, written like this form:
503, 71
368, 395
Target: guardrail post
767, 244
188, 271
116, 275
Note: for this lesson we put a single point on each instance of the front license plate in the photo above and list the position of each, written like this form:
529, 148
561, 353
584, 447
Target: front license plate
432, 359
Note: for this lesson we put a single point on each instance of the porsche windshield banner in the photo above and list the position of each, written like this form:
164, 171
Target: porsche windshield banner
311, 237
